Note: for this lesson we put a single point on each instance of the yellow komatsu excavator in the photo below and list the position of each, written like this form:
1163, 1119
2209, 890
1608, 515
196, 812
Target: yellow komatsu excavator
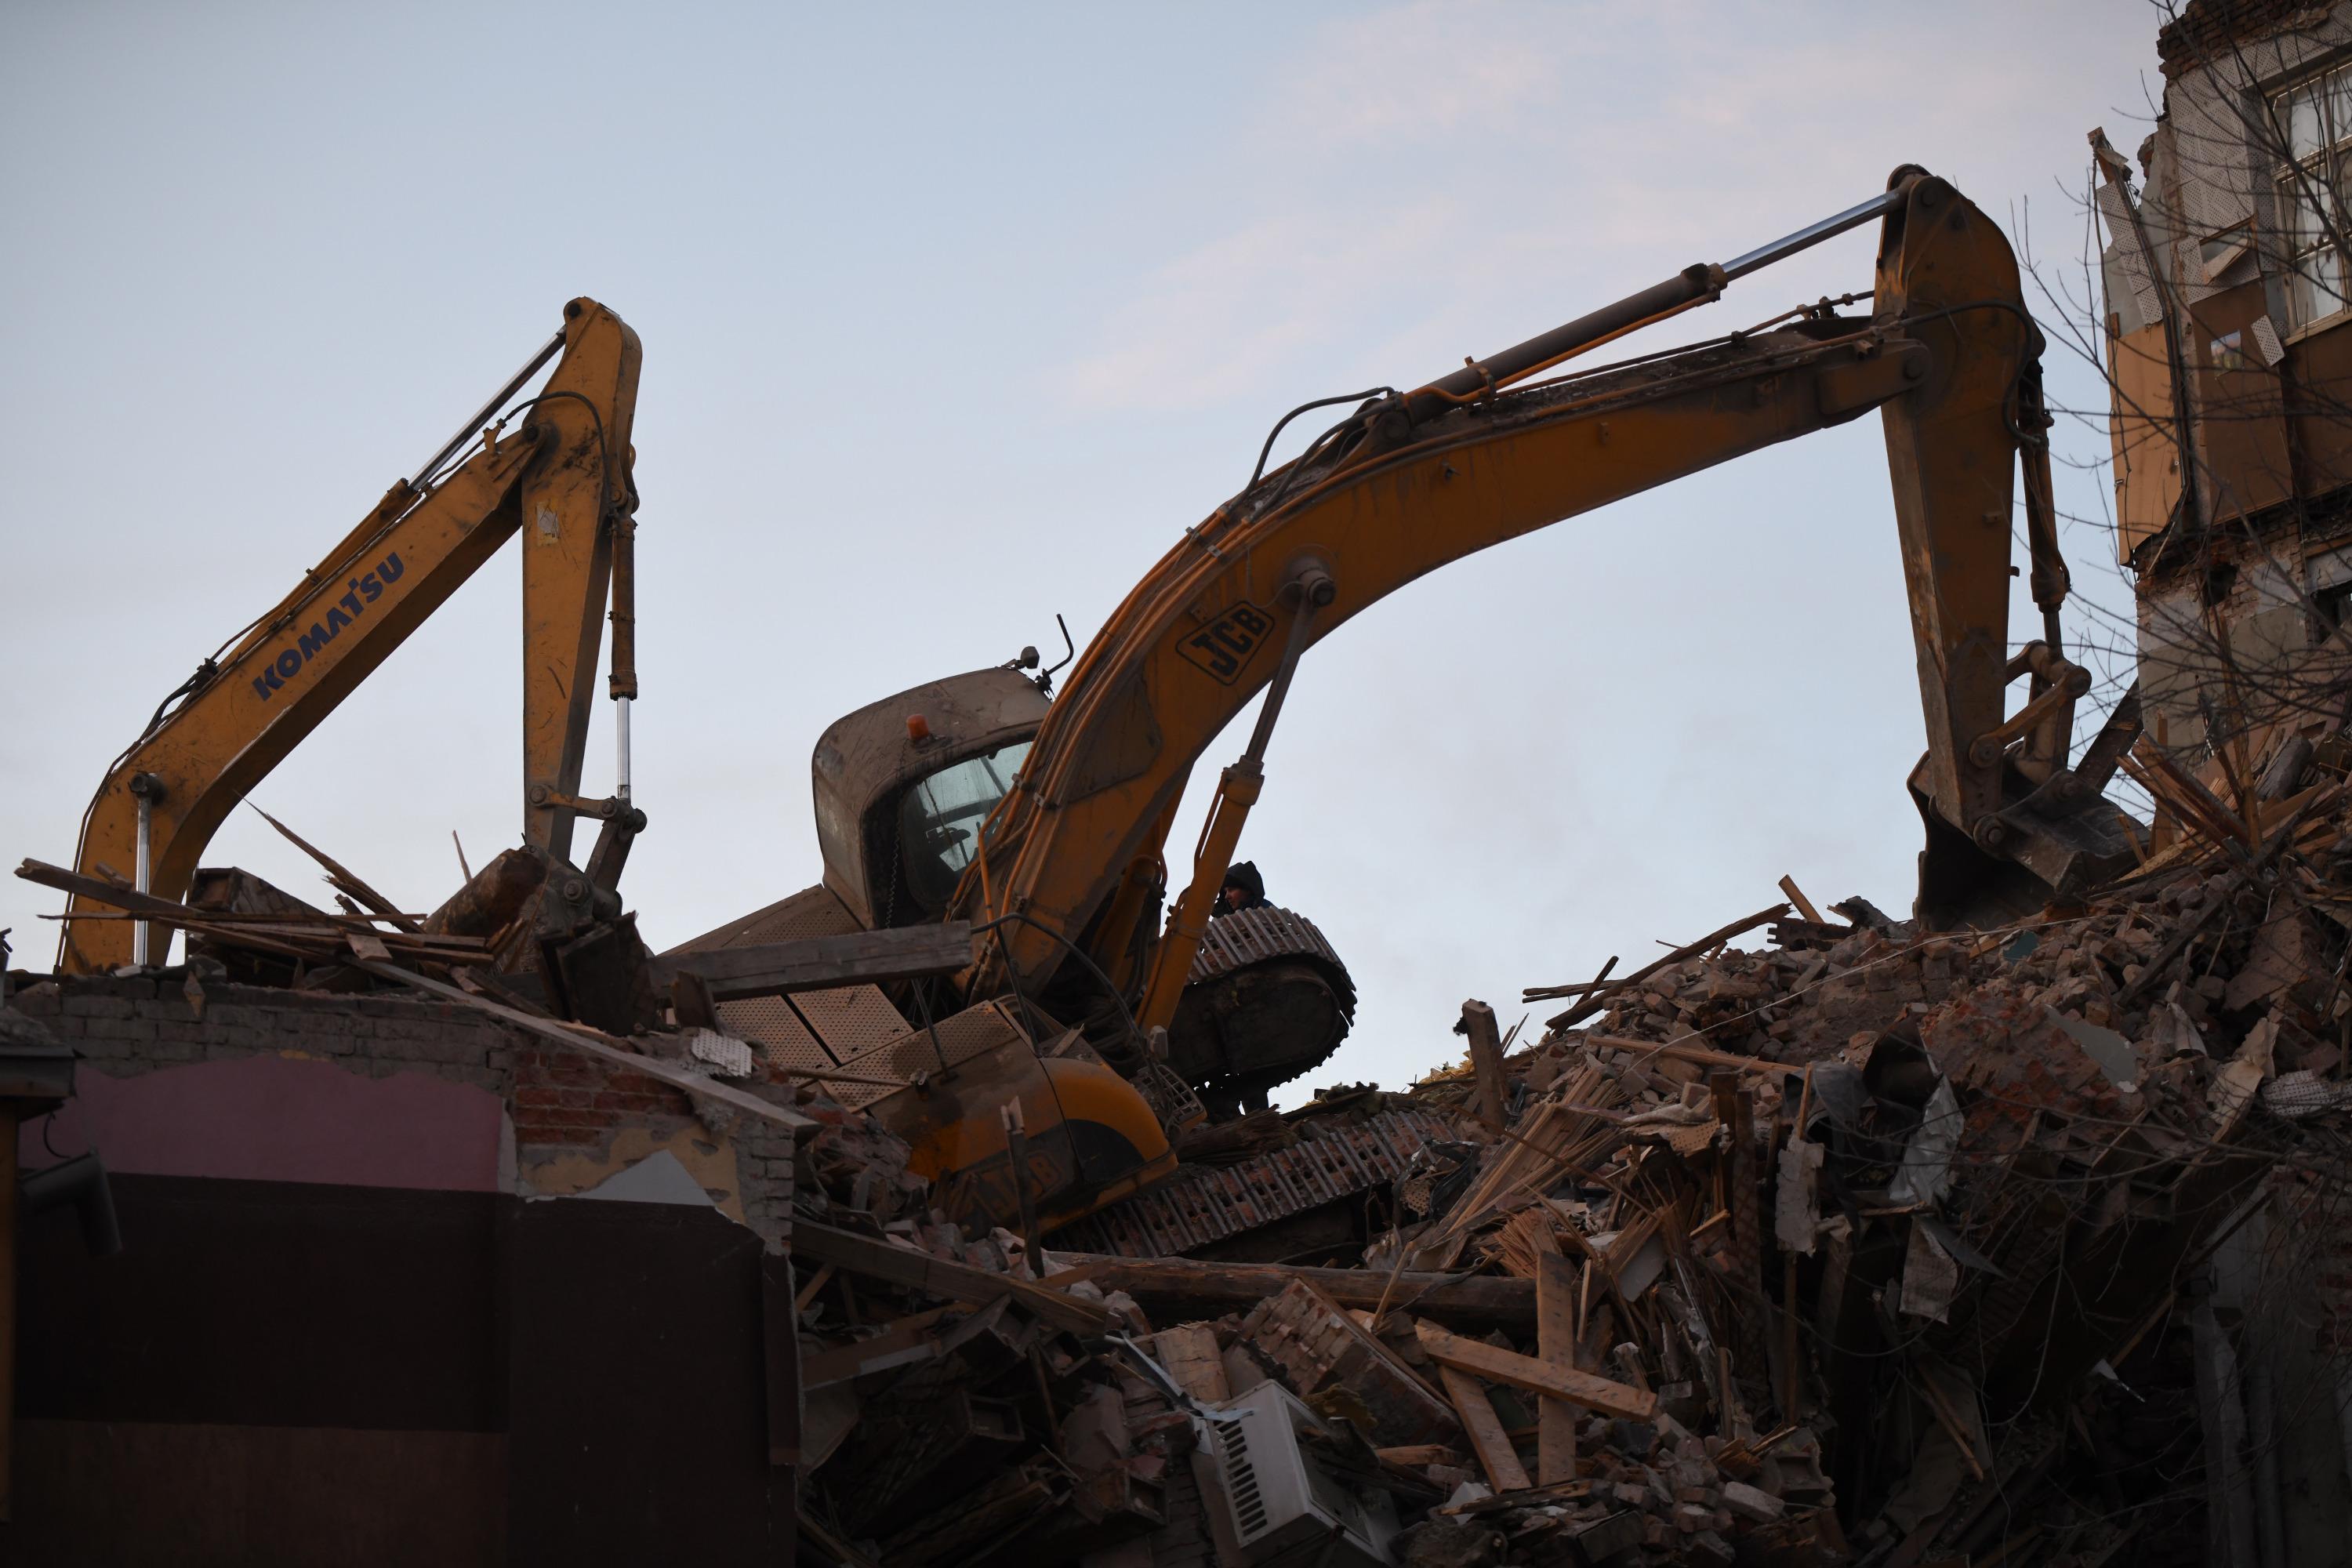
1043, 824
563, 480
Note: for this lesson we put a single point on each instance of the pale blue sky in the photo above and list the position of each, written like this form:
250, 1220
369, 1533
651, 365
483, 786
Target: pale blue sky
953, 316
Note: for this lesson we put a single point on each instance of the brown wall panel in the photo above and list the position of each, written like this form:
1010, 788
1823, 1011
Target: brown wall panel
267, 1303
276, 1372
2242, 412
2322, 364
638, 1392
93, 1494
2147, 456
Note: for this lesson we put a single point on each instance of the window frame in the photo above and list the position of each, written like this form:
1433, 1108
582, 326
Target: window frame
917, 867
2331, 89
2238, 239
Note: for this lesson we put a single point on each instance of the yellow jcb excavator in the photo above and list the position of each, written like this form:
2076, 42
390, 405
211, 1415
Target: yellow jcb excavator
1043, 824
1031, 1081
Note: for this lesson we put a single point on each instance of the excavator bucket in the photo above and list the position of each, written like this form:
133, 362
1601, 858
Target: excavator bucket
2010, 826
2053, 853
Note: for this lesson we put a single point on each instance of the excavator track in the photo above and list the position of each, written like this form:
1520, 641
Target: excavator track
1203, 1204
1266, 1000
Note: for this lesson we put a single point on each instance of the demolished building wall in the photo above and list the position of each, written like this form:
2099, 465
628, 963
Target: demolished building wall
362, 1279
1873, 1243
2216, 261
1878, 1243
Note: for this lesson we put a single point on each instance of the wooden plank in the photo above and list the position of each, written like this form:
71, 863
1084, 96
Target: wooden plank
939, 1277
820, 962
1926, 1383
580, 1037
322, 926
1582, 987
2188, 791
909, 1342
161, 910
1200, 1288
1486, 1063
1190, 1354
1598, 1001
817, 1281
1487, 1439
317, 943
1683, 1051
1556, 1338
1582, 1389
1804, 905
1421, 1454
781, 1357
341, 877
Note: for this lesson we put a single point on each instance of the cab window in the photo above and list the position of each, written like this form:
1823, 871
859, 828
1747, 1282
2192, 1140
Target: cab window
939, 818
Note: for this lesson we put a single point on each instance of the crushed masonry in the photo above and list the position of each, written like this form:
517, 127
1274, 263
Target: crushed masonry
1866, 1244
1871, 1244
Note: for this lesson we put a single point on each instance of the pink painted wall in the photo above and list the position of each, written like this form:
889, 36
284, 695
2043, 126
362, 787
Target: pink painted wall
275, 1118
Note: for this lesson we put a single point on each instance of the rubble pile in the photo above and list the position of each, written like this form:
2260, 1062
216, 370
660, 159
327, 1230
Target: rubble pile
1870, 1245
1866, 1244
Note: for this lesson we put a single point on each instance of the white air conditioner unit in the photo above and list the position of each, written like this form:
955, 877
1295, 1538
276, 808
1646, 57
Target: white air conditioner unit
1273, 1500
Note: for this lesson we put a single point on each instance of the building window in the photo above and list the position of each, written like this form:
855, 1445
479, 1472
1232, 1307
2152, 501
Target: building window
2331, 592
2331, 603
2221, 251
2317, 117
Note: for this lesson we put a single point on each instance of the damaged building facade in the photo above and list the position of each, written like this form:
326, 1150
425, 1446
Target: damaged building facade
2227, 300
392, 1281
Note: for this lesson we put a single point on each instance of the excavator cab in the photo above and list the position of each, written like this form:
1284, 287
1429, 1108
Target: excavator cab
902, 789
902, 786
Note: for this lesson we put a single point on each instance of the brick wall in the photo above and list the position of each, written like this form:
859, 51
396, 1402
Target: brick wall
2205, 30
2271, 632
563, 1102
127, 1026
566, 1098
567, 1109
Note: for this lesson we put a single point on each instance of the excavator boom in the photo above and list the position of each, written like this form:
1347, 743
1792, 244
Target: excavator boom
563, 480
1045, 825
1415, 481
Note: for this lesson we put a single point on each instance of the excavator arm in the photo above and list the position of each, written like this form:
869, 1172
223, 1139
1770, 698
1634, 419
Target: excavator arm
563, 480
1413, 481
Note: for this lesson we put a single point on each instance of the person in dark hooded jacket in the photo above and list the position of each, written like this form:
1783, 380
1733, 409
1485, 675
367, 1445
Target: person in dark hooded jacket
1243, 889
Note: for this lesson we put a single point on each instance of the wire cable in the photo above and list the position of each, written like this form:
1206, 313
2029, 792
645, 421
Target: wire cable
1274, 435
1133, 1029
